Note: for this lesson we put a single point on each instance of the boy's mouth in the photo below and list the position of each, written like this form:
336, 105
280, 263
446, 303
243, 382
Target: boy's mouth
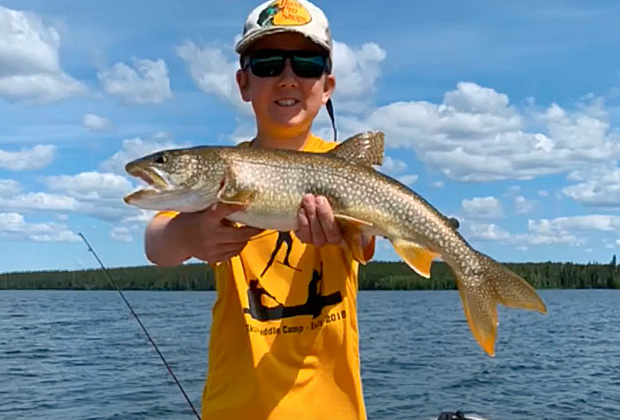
286, 102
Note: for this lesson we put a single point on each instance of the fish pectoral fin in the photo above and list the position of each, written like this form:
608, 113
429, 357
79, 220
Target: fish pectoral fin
348, 219
352, 230
416, 256
234, 196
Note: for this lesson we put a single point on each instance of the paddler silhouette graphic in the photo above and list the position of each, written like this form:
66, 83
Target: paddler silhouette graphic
283, 238
313, 306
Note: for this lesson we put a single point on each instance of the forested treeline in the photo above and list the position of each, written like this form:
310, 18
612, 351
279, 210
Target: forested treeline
373, 276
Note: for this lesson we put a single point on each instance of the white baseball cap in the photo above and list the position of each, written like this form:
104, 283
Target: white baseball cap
276, 16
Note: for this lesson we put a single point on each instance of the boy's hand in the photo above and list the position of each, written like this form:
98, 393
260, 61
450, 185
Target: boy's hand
212, 238
316, 222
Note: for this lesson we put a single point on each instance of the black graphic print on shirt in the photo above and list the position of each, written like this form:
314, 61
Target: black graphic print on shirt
313, 305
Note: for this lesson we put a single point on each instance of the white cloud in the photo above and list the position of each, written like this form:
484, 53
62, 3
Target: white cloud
14, 227
27, 45
513, 191
96, 194
90, 185
147, 83
542, 239
543, 193
36, 157
213, 73
487, 232
581, 131
492, 232
408, 179
356, 71
96, 123
40, 88
121, 233
562, 230
391, 165
482, 207
561, 225
243, 132
470, 99
9, 187
438, 184
33, 201
102, 203
476, 135
522, 205
29, 61
600, 187
142, 216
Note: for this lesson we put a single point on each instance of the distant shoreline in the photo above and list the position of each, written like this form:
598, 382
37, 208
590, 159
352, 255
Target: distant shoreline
373, 276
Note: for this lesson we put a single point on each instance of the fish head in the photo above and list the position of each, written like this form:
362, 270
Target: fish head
184, 180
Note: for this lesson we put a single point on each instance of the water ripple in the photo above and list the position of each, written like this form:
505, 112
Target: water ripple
80, 355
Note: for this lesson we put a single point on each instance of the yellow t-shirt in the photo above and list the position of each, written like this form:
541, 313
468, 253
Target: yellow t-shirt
284, 336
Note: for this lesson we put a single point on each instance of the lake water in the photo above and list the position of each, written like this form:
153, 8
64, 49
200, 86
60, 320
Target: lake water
80, 355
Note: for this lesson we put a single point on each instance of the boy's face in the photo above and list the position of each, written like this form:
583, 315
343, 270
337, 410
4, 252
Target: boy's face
287, 102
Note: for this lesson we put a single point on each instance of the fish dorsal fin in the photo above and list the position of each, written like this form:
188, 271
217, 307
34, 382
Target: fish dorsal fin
365, 148
417, 257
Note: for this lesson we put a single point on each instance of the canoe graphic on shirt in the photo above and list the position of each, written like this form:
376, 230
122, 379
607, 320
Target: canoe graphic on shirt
313, 306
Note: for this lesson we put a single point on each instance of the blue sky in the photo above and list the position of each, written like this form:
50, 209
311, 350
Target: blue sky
502, 114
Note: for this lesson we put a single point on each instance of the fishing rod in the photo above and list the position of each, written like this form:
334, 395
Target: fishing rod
161, 356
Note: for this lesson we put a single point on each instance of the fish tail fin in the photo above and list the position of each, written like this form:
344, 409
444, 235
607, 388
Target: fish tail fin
486, 285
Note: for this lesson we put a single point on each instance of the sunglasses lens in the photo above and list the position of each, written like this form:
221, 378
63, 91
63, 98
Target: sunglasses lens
267, 66
270, 63
311, 66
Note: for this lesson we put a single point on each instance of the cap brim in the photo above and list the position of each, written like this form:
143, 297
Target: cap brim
248, 40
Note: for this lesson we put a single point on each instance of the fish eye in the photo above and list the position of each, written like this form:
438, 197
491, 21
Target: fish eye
161, 159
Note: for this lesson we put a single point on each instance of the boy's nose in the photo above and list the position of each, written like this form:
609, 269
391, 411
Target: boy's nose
288, 78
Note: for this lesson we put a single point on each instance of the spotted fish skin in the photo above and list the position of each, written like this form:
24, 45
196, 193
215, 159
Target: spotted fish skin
271, 184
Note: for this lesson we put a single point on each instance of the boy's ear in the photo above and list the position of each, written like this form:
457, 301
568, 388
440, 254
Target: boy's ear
328, 87
242, 82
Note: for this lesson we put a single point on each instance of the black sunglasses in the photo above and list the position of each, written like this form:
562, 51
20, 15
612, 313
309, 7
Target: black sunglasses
270, 63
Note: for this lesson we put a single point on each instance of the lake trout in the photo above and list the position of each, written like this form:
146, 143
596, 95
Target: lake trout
270, 183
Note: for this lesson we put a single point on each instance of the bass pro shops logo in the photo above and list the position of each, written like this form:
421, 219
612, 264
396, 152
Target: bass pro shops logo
284, 13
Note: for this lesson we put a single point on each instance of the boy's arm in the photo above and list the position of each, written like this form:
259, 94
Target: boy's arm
171, 239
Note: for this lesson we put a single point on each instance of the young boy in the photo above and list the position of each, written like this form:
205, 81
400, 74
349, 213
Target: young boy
284, 337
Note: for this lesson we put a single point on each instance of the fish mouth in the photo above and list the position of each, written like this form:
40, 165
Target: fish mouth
155, 180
